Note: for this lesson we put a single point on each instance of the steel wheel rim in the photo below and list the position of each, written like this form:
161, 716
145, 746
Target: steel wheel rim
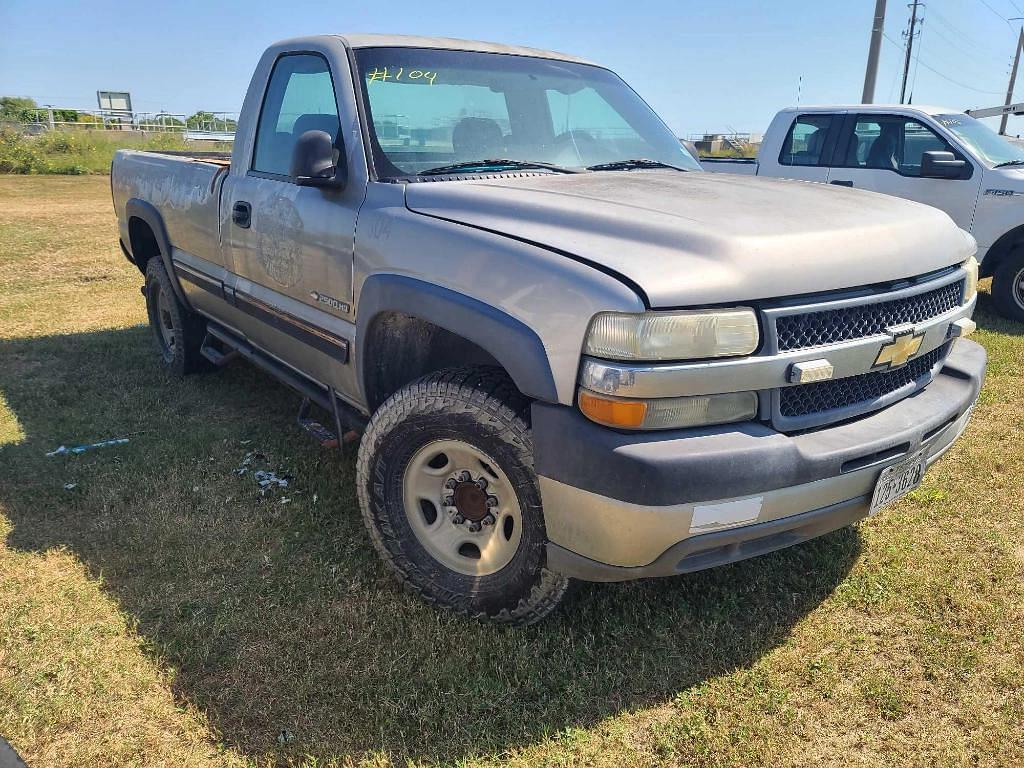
1018, 289
164, 324
428, 493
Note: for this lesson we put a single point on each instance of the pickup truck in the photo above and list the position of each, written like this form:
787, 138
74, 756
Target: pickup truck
570, 353
929, 154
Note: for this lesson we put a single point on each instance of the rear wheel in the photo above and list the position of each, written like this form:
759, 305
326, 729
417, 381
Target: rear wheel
1008, 285
449, 496
177, 331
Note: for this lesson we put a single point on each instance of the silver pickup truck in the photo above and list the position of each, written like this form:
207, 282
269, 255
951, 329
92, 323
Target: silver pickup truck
570, 352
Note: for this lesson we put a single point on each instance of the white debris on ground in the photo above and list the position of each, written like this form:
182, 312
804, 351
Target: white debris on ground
62, 450
265, 478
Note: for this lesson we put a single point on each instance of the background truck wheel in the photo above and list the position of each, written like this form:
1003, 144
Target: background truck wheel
1008, 286
449, 496
178, 332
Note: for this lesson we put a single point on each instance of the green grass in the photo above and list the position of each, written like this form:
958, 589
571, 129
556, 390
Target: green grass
162, 612
81, 152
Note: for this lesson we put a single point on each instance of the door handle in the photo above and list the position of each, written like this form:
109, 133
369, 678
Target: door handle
241, 214
841, 183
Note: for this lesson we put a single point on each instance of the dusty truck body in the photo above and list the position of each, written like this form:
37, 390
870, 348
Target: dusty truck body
572, 353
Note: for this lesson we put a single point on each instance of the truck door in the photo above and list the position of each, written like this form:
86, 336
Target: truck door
807, 147
293, 246
882, 153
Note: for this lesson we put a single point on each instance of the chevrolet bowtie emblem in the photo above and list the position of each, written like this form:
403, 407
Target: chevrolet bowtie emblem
904, 345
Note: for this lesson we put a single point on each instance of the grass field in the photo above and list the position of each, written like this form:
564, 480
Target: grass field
162, 612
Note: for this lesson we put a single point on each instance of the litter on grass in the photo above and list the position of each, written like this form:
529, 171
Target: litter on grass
70, 486
267, 479
88, 447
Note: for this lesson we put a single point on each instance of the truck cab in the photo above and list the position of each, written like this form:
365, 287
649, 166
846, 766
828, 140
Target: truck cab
933, 155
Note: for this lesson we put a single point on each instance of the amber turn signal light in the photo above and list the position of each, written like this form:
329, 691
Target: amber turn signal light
628, 414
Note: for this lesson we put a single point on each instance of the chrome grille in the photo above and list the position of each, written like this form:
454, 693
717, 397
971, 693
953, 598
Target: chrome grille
854, 391
832, 326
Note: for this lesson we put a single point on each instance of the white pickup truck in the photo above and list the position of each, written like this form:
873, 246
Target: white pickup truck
929, 154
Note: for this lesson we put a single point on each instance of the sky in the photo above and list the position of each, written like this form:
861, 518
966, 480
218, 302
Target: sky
703, 66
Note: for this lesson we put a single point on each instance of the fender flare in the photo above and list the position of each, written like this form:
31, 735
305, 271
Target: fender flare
147, 212
511, 342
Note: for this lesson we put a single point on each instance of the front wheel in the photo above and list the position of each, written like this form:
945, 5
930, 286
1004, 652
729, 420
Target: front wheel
450, 499
1008, 286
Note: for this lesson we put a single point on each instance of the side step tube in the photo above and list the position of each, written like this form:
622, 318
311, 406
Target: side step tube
346, 417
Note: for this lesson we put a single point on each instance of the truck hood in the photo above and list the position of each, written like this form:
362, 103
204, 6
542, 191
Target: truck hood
687, 239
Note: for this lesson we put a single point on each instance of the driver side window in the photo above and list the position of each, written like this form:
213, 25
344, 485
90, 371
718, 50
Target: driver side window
299, 98
893, 143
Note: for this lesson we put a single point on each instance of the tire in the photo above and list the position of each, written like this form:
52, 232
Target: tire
178, 333
431, 444
1008, 286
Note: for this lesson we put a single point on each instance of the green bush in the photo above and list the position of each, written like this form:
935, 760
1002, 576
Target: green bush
82, 152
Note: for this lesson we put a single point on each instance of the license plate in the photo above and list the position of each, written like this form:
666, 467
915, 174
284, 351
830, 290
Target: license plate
897, 480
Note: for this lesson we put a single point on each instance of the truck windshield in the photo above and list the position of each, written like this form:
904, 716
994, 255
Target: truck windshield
987, 145
431, 108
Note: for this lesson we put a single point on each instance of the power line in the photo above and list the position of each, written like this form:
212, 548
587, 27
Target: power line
962, 45
943, 76
957, 30
997, 13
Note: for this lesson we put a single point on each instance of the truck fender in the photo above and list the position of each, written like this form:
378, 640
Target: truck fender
1000, 249
140, 209
511, 342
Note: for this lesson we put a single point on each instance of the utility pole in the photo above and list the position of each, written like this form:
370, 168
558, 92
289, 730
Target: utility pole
871, 73
910, 47
1013, 79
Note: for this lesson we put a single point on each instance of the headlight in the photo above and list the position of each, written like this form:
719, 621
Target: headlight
971, 283
668, 412
673, 335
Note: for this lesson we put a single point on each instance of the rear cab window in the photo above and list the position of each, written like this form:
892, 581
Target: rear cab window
806, 140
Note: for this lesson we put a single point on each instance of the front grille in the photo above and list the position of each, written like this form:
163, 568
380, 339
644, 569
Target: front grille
831, 326
853, 391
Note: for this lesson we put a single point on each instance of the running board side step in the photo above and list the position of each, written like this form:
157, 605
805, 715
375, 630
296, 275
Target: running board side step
348, 422
216, 351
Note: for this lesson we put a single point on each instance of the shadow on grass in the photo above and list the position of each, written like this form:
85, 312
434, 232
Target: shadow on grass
279, 620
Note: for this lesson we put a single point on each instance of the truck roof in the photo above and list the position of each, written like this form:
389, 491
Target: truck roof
869, 108
358, 40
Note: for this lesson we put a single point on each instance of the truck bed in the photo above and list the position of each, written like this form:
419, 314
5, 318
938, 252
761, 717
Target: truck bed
183, 186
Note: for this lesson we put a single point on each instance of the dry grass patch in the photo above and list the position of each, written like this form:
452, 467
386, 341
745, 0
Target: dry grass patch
163, 612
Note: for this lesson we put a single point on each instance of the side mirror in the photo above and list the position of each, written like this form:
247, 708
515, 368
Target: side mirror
942, 165
313, 162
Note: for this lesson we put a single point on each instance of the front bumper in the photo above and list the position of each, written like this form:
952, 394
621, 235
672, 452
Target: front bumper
621, 506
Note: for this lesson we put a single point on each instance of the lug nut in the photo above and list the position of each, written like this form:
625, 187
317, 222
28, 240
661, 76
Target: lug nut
458, 519
449, 501
474, 527
481, 484
464, 476
492, 501
489, 520
450, 483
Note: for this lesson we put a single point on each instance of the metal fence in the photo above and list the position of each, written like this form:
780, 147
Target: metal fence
210, 126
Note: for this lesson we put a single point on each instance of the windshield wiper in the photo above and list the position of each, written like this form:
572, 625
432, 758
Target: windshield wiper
490, 165
1008, 162
626, 165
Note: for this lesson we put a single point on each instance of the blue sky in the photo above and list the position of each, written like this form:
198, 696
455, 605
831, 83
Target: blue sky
704, 66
